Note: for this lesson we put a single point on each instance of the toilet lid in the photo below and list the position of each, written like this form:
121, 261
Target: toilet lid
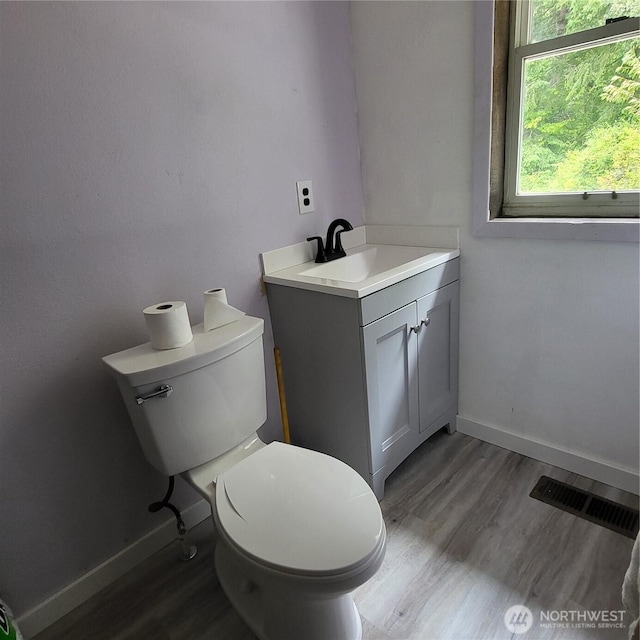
299, 511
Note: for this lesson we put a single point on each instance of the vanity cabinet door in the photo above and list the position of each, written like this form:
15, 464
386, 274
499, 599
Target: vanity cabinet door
438, 353
390, 353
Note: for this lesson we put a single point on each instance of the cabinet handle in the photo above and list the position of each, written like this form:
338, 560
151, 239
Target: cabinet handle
426, 322
416, 328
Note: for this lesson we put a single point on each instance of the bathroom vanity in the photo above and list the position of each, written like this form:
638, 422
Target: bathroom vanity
369, 352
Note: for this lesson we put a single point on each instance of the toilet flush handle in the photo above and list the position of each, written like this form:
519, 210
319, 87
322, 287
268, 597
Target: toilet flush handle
161, 392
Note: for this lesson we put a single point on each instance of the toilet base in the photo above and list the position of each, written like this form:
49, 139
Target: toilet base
277, 611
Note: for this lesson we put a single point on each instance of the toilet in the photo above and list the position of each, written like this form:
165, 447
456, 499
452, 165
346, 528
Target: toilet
296, 531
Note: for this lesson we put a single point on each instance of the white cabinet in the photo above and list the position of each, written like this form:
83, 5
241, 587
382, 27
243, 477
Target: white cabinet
368, 380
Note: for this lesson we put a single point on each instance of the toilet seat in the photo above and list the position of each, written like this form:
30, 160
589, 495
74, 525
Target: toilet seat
299, 511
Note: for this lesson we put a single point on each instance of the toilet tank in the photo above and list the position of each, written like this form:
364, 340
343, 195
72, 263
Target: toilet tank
211, 394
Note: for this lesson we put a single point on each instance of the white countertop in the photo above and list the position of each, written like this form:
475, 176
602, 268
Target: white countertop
367, 268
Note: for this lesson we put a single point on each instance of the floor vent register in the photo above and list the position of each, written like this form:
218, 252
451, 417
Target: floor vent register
587, 505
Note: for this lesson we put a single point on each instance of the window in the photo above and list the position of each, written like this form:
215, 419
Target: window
572, 136
519, 161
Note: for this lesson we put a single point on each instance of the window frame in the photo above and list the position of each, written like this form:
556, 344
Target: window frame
597, 204
486, 218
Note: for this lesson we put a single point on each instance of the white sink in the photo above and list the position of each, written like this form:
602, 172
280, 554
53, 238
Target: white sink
364, 264
366, 269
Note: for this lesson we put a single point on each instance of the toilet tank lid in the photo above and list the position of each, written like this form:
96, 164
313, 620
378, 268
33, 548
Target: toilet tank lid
145, 365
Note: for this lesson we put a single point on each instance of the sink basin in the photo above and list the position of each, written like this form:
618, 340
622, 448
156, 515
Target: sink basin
365, 270
364, 264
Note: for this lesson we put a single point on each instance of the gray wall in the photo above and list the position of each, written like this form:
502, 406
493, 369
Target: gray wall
548, 329
149, 152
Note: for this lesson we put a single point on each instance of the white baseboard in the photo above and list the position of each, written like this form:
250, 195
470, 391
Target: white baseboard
87, 585
600, 470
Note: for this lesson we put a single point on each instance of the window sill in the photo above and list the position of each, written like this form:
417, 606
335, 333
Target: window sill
608, 230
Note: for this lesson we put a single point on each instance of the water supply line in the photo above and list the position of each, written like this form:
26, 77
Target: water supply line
283, 400
187, 550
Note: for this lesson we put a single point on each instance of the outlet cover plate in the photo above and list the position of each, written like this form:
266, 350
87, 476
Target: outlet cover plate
305, 197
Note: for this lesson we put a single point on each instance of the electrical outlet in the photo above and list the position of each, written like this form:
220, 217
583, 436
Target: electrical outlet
305, 197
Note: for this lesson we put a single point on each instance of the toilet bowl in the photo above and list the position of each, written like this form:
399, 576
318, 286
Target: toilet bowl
296, 531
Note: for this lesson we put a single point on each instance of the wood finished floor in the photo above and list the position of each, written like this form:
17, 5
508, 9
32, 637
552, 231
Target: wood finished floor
465, 543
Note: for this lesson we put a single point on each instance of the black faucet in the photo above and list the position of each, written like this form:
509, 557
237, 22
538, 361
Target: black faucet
330, 250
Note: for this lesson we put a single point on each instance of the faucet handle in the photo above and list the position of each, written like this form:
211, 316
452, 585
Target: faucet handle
320, 256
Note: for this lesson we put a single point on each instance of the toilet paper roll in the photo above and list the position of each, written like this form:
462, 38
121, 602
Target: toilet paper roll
168, 324
217, 312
